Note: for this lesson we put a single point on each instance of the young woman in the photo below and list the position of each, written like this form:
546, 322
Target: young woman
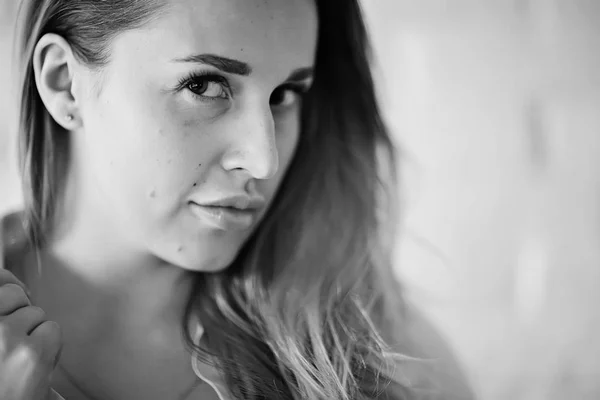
203, 181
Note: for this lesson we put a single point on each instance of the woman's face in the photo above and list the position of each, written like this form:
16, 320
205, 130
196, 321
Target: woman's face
197, 107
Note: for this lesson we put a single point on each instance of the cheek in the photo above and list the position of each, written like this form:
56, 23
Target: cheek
288, 135
140, 153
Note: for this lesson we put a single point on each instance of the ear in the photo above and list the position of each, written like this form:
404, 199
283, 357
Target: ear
54, 67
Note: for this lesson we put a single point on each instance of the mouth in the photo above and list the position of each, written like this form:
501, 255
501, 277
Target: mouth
224, 217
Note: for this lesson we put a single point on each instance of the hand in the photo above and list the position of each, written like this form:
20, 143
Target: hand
29, 344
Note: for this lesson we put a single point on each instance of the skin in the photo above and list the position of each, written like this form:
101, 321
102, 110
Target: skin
142, 147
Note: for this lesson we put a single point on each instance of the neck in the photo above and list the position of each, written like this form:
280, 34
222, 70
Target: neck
93, 272
96, 280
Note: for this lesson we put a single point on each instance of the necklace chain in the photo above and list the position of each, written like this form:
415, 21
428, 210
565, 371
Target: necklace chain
79, 387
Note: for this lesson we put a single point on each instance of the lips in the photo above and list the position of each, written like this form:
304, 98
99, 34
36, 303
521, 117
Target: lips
225, 218
240, 202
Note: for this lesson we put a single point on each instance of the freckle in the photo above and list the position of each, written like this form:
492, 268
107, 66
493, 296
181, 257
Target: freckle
153, 194
195, 184
179, 249
199, 165
169, 161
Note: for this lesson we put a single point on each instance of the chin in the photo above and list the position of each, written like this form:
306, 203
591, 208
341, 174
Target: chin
196, 251
202, 263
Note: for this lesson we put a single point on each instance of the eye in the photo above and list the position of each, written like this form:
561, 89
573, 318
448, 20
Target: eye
287, 95
206, 89
206, 86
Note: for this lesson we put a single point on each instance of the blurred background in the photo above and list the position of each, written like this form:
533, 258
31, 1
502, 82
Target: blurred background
496, 108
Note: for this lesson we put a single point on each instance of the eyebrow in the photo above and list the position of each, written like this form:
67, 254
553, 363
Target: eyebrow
224, 64
301, 74
237, 67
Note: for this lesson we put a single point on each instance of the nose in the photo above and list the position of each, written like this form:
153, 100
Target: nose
253, 148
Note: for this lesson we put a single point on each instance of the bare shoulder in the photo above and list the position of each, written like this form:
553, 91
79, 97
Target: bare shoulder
428, 342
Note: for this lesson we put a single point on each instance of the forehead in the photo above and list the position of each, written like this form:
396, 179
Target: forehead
260, 32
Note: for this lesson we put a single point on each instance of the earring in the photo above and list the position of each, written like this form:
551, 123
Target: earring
69, 117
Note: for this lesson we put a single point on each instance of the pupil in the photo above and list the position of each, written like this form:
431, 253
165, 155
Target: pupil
277, 96
198, 87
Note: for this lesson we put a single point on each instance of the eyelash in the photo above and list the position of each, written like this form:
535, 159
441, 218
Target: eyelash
205, 76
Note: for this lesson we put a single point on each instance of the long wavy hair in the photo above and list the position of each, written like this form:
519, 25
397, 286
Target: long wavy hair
310, 308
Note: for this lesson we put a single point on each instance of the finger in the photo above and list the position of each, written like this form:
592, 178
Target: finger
21, 373
24, 320
8, 277
47, 338
12, 297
